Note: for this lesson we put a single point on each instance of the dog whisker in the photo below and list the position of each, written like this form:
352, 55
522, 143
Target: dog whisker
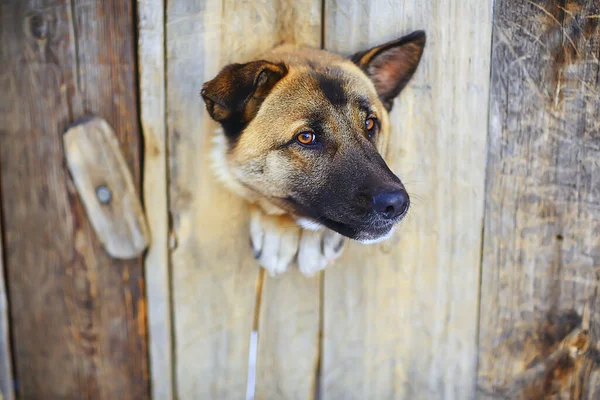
418, 198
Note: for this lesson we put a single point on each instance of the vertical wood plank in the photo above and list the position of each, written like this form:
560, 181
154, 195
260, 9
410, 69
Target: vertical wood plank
288, 337
541, 253
214, 273
288, 330
78, 316
6, 374
400, 318
213, 278
151, 68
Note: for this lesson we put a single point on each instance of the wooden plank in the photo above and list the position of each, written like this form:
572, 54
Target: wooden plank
288, 337
7, 391
400, 318
106, 188
151, 68
215, 275
289, 319
77, 316
542, 225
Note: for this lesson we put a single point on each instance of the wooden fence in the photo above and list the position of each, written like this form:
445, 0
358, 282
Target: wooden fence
489, 291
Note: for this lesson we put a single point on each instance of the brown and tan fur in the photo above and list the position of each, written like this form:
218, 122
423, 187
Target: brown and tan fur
308, 197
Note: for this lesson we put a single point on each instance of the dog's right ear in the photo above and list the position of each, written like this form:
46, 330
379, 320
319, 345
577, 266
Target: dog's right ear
234, 96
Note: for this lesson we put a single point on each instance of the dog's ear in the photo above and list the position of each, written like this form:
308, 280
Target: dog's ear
234, 96
391, 65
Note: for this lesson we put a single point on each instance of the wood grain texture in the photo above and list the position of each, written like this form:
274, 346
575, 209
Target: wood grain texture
77, 315
7, 391
542, 225
288, 337
400, 318
214, 273
106, 188
289, 319
151, 69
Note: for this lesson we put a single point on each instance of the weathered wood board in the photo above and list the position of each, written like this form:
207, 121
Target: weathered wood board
541, 253
151, 69
400, 318
77, 316
6, 369
214, 273
288, 334
289, 319
214, 279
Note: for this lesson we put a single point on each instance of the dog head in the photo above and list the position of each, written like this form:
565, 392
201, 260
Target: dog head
302, 128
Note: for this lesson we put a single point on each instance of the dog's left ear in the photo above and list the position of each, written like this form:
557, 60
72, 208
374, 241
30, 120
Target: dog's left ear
391, 65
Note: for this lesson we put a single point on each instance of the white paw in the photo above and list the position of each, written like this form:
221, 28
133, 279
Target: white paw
317, 249
274, 240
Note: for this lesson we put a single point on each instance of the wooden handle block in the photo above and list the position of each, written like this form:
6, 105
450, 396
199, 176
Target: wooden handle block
106, 187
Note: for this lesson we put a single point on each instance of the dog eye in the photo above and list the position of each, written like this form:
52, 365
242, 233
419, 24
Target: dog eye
371, 125
306, 138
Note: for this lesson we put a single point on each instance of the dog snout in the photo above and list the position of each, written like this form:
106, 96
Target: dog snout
391, 204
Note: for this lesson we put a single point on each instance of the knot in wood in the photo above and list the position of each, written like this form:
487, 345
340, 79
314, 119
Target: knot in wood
38, 26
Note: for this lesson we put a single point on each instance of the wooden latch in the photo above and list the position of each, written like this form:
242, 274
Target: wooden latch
106, 188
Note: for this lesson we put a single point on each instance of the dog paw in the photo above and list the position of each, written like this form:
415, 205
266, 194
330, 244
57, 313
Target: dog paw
317, 249
274, 240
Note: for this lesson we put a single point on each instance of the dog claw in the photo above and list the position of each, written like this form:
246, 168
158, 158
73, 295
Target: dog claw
333, 244
257, 252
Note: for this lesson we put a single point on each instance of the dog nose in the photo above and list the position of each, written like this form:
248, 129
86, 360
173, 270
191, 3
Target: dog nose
391, 204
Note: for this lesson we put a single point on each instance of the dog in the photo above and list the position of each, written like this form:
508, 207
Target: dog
302, 132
